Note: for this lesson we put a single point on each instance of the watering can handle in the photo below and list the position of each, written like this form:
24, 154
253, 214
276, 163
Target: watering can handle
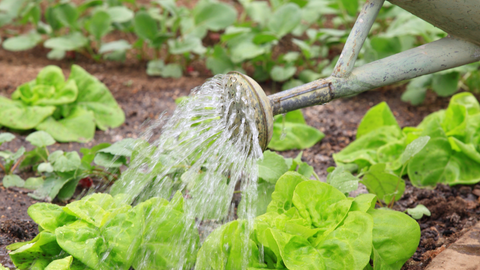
346, 80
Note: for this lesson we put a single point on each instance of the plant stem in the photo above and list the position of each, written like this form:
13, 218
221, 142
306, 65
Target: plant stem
16, 164
3, 168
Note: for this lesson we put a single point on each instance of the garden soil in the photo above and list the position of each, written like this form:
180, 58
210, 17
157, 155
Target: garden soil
143, 98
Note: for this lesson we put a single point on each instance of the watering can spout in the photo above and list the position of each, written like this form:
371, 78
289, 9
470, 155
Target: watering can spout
314, 93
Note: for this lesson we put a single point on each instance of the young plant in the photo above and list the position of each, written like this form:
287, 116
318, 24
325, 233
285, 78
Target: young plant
109, 225
290, 131
67, 110
450, 156
58, 173
310, 224
270, 169
10, 162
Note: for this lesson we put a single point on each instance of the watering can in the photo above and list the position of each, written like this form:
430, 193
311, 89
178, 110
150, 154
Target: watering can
459, 18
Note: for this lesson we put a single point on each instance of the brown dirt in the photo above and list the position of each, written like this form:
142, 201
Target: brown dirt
143, 98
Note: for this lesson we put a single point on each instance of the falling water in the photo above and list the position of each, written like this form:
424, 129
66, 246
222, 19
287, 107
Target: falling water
207, 149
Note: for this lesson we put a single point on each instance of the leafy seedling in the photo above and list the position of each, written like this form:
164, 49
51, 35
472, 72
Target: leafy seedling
418, 211
291, 132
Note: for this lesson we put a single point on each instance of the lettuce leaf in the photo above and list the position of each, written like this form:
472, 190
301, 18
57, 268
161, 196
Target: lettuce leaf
94, 96
451, 156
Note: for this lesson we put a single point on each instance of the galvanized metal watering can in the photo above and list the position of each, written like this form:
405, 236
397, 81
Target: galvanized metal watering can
459, 18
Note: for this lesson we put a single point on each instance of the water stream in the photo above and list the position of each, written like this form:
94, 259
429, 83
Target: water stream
208, 150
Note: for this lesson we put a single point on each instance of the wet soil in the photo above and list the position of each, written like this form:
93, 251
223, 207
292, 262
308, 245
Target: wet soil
144, 98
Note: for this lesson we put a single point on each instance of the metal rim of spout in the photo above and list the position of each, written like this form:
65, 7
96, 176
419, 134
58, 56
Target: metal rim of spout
261, 104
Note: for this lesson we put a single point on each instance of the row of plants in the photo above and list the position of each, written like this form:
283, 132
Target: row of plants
451, 155
304, 222
68, 110
225, 40
57, 174
299, 221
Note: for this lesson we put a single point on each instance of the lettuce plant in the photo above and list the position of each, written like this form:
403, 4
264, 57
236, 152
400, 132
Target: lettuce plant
450, 156
81, 234
290, 131
58, 173
67, 110
10, 162
312, 225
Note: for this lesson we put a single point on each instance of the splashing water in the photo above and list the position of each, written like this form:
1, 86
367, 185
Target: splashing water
207, 149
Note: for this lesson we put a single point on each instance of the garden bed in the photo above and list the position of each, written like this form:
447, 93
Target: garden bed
143, 98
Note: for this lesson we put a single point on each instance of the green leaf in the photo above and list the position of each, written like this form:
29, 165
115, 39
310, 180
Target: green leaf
158, 68
22, 43
120, 14
266, 37
66, 14
13, 180
291, 84
439, 163
391, 247
219, 61
416, 90
40, 139
228, 243
308, 75
6, 137
445, 84
145, 26
343, 180
60, 264
45, 167
312, 198
349, 246
285, 19
297, 135
99, 24
51, 186
115, 155
48, 89
49, 216
89, 154
282, 197
56, 54
363, 151
262, 200
246, 50
173, 232
79, 126
33, 183
65, 162
81, 240
155, 67
384, 184
271, 167
186, 44
70, 42
259, 12
413, 148
34, 157
419, 211
280, 74
215, 16
378, 116
94, 96
172, 71
43, 246
124, 147
118, 45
